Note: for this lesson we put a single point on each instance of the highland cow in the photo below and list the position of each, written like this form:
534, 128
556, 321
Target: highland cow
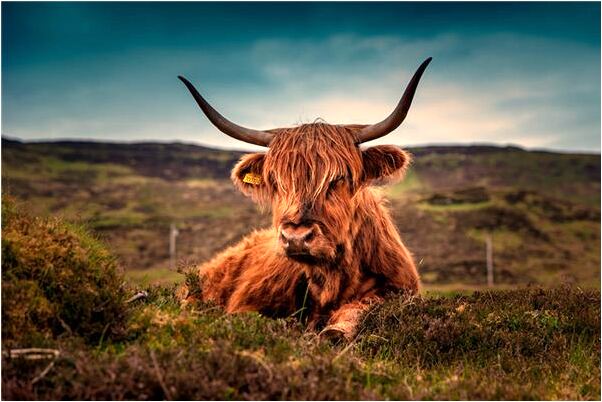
333, 249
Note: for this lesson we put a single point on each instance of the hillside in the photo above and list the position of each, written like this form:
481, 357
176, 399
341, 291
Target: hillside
63, 290
541, 208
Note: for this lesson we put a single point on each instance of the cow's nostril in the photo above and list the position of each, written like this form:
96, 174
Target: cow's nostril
309, 236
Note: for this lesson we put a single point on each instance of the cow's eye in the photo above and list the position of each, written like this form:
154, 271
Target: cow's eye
335, 184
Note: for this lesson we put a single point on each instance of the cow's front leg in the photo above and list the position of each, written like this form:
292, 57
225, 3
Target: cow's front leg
344, 321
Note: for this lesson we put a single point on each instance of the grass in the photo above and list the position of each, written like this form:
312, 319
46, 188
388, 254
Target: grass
81, 170
568, 176
119, 218
502, 240
61, 290
526, 344
59, 169
536, 239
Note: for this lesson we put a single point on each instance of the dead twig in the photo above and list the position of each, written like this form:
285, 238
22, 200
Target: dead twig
140, 295
205, 310
410, 391
32, 353
43, 373
65, 326
35, 354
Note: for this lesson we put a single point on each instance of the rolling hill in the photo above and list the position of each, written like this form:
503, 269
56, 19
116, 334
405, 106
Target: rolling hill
542, 209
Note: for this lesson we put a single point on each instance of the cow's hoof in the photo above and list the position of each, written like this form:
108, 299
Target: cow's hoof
333, 333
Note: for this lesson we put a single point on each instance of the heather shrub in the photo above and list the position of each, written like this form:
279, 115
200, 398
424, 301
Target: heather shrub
56, 278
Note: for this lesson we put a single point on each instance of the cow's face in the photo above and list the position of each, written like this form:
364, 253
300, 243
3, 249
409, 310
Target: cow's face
311, 175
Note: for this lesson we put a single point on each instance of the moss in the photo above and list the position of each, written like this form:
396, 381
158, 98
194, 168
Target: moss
56, 278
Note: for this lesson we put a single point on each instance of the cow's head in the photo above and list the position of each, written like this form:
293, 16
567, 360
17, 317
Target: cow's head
312, 174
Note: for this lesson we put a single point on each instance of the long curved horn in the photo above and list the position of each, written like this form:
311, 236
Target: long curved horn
399, 114
226, 126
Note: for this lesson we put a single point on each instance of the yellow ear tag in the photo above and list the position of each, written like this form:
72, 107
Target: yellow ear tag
252, 178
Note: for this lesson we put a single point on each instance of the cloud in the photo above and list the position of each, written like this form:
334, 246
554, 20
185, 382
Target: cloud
504, 88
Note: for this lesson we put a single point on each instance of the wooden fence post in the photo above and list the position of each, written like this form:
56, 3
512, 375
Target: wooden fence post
173, 233
489, 253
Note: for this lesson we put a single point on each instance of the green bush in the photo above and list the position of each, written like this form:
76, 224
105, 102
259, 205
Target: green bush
56, 278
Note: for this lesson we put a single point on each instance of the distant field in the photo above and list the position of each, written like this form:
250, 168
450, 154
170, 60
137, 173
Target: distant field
542, 209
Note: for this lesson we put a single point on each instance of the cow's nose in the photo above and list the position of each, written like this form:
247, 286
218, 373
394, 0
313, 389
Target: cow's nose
296, 239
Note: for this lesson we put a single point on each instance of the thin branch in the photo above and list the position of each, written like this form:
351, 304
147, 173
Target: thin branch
43, 373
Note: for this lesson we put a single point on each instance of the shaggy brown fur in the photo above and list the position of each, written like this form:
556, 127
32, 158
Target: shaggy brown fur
316, 179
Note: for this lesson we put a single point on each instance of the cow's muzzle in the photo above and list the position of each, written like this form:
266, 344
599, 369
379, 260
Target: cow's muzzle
297, 239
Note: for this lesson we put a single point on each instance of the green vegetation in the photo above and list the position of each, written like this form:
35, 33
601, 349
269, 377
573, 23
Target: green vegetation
536, 238
529, 344
61, 290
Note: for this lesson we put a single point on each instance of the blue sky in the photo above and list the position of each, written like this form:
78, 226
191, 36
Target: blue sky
504, 73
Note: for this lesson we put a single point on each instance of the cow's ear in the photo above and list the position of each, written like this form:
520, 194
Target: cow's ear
384, 164
247, 175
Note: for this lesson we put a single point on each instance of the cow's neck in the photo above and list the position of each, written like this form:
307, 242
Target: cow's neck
375, 237
381, 253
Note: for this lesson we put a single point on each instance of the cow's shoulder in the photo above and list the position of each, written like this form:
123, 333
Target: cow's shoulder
258, 239
258, 242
